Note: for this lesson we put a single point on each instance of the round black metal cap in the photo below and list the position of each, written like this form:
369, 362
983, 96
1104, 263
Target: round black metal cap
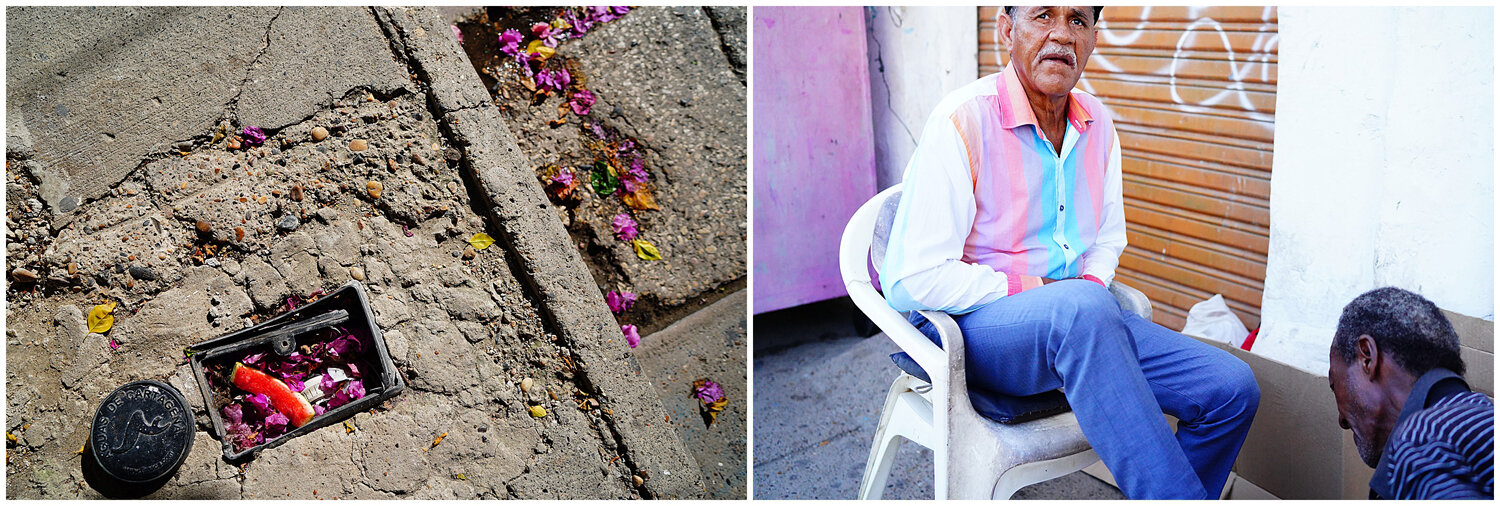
142, 432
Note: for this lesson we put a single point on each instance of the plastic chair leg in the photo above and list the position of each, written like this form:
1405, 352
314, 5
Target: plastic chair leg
887, 441
882, 456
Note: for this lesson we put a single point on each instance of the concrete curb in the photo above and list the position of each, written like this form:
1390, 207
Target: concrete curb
550, 264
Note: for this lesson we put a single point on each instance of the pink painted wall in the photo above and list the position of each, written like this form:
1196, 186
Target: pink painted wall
813, 148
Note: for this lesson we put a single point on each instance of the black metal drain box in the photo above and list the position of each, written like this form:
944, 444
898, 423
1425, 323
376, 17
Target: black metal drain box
346, 309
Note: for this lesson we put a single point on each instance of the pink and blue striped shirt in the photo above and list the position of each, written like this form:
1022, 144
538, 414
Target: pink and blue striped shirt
988, 206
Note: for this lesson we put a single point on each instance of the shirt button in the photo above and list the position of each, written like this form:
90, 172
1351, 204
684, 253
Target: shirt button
1061, 207
1065, 246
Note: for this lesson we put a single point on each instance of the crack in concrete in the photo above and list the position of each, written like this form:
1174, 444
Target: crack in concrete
884, 79
234, 104
196, 142
724, 48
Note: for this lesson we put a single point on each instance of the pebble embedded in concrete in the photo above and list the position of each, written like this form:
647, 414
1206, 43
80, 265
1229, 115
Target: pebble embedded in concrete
24, 275
142, 273
288, 223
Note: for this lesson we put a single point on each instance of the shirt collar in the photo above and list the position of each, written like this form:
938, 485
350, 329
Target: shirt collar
1017, 110
1415, 402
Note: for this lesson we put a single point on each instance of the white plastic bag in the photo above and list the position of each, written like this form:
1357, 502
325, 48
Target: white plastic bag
1212, 319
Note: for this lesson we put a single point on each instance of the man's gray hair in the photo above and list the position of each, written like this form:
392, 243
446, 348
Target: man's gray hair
1406, 325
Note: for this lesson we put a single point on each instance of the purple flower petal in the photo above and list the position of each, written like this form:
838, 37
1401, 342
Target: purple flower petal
581, 102
510, 42
262, 404
564, 177
624, 227
632, 336
580, 25
276, 424
254, 136
457, 34
233, 413
619, 302
344, 346
710, 392
351, 392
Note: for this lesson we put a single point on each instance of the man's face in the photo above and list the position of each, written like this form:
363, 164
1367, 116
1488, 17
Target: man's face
1049, 46
1357, 400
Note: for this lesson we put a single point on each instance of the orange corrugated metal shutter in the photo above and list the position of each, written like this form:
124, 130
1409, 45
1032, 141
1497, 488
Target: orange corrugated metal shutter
1193, 93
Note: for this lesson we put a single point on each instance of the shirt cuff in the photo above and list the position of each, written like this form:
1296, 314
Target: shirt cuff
1012, 284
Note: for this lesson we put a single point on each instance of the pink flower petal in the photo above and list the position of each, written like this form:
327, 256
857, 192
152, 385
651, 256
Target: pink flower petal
625, 227
619, 302
632, 336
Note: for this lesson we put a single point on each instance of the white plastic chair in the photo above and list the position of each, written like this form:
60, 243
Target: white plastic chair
974, 457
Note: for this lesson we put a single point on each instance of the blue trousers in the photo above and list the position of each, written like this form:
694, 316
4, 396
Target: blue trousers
1119, 372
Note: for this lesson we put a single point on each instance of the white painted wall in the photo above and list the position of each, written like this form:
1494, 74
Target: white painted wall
917, 55
1384, 168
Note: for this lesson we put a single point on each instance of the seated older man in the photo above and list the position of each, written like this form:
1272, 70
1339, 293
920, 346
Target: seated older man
1016, 184
1398, 380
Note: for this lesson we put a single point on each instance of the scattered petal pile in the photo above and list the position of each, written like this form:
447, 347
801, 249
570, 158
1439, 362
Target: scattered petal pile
328, 373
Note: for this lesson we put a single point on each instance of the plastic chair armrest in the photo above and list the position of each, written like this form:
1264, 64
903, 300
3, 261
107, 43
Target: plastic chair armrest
896, 327
1131, 299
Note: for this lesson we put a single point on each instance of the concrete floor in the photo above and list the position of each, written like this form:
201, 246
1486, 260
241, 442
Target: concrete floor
818, 393
710, 343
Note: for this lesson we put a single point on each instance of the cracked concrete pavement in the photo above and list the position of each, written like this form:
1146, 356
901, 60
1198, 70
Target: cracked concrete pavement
672, 79
120, 187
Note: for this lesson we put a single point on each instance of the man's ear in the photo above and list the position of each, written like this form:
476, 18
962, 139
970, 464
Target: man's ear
1004, 27
1367, 355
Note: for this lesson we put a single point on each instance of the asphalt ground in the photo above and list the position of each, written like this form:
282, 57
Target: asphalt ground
819, 388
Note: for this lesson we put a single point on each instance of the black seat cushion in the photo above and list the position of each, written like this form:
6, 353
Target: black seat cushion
1007, 409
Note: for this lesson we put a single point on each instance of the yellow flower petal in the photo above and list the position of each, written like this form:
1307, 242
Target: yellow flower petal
538, 411
645, 249
100, 319
536, 48
481, 241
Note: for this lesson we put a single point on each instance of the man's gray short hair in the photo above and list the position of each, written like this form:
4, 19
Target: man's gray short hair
1406, 325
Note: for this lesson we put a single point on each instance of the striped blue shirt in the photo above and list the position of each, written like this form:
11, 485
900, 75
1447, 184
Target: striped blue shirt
1443, 446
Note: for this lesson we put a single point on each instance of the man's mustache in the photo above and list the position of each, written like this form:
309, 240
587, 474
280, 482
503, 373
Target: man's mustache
1058, 52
